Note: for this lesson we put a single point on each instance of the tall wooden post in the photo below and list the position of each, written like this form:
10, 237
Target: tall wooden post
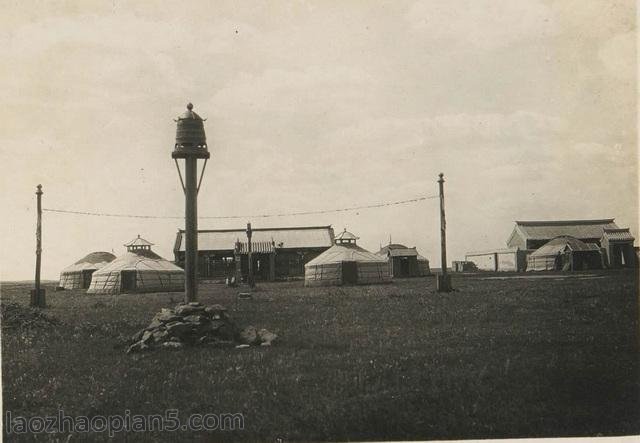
191, 145
38, 294
250, 256
443, 282
191, 230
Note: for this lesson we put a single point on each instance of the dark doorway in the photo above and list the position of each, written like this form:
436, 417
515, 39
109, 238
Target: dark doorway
404, 267
349, 273
128, 280
86, 278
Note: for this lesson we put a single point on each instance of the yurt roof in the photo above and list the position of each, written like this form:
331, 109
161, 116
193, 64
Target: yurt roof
345, 252
144, 260
560, 244
139, 242
346, 235
95, 260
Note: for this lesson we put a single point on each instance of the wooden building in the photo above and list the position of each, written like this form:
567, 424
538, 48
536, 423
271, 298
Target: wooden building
616, 244
618, 248
404, 261
276, 253
530, 235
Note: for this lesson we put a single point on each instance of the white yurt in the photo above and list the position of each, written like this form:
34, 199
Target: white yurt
78, 275
346, 263
139, 270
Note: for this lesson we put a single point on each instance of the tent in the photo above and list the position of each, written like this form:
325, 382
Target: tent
138, 270
78, 275
565, 253
346, 263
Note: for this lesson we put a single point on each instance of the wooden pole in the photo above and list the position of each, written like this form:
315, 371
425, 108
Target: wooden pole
250, 256
38, 296
191, 229
443, 280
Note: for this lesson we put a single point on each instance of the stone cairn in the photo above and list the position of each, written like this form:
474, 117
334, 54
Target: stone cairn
196, 324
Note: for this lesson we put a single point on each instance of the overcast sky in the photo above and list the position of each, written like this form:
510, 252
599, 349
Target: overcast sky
527, 106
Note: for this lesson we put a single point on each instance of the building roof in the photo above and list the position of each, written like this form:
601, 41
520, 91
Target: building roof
399, 250
346, 252
143, 260
286, 238
562, 244
384, 250
95, 260
346, 236
139, 242
621, 234
404, 252
546, 230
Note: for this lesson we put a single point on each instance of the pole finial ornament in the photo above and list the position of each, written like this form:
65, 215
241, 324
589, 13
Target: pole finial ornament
189, 106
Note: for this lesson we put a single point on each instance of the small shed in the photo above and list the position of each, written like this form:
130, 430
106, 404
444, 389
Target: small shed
346, 263
618, 247
78, 275
463, 266
565, 253
404, 261
138, 270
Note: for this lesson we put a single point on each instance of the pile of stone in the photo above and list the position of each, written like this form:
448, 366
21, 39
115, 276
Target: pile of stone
196, 324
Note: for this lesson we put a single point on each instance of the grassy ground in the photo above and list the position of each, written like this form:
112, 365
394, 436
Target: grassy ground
497, 358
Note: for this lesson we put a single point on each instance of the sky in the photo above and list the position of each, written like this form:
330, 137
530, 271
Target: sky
527, 106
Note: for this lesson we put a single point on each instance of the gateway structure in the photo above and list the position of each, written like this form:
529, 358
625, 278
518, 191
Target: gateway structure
139, 270
78, 275
346, 263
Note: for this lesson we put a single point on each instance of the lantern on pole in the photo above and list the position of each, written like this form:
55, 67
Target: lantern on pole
191, 145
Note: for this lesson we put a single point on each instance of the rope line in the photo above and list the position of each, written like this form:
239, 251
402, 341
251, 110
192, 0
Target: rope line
230, 217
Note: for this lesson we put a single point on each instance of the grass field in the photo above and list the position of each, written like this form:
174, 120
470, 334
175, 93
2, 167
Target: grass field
497, 358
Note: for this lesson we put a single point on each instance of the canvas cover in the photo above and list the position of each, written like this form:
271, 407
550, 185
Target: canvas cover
73, 277
152, 274
327, 268
558, 253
